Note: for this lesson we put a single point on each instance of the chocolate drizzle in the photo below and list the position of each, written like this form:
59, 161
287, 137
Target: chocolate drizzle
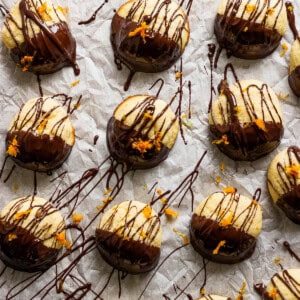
245, 36
290, 250
160, 50
52, 47
246, 141
289, 189
94, 15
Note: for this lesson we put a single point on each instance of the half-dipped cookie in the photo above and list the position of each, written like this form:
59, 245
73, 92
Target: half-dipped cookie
284, 182
225, 226
32, 232
246, 120
142, 131
284, 285
149, 36
129, 237
250, 29
41, 135
38, 37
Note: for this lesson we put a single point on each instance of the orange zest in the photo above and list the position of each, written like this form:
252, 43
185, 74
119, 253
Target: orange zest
61, 239
226, 221
273, 293
293, 170
22, 214
74, 83
285, 48
42, 126
250, 8
13, 148
141, 30
11, 237
171, 213
229, 190
142, 146
43, 11
147, 211
183, 236
223, 140
64, 10
217, 249
260, 124
77, 218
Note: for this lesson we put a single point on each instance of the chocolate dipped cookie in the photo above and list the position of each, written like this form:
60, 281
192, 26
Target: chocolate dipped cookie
129, 237
142, 131
225, 226
31, 234
250, 29
38, 37
41, 135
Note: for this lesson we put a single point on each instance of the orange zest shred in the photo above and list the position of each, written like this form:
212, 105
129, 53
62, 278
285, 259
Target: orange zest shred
74, 83
237, 109
159, 191
178, 75
11, 237
42, 126
143, 234
250, 8
285, 48
290, 7
223, 140
43, 11
217, 249
282, 96
202, 291
226, 221
293, 170
270, 11
22, 214
218, 180
25, 62
164, 200
141, 30
229, 190
61, 239
260, 124
64, 10
106, 200
77, 218
77, 105
242, 291
13, 148
183, 236
246, 29
147, 211
142, 146
148, 116
277, 261
222, 167
254, 202
157, 141
171, 213
273, 293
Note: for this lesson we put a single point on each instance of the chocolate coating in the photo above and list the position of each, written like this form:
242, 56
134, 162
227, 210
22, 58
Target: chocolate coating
39, 152
130, 256
206, 234
52, 48
25, 253
257, 42
119, 138
294, 81
157, 54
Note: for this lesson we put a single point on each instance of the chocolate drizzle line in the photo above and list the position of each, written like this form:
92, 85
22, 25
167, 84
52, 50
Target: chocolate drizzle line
162, 82
4, 11
211, 54
245, 38
40, 85
291, 251
291, 19
94, 15
53, 44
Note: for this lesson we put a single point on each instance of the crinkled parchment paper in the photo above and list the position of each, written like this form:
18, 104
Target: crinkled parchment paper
102, 88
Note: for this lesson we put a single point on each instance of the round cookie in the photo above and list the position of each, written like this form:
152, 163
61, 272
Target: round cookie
29, 228
294, 71
149, 36
250, 29
246, 120
284, 182
142, 131
214, 297
38, 37
283, 285
129, 237
225, 226
41, 135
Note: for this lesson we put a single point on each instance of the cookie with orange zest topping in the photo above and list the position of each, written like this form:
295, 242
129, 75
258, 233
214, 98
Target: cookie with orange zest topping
142, 131
32, 232
129, 237
225, 226
283, 181
149, 36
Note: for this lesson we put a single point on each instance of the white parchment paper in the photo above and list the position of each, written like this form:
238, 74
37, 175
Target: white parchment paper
102, 88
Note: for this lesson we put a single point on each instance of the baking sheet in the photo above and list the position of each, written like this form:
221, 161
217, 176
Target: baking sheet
101, 87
